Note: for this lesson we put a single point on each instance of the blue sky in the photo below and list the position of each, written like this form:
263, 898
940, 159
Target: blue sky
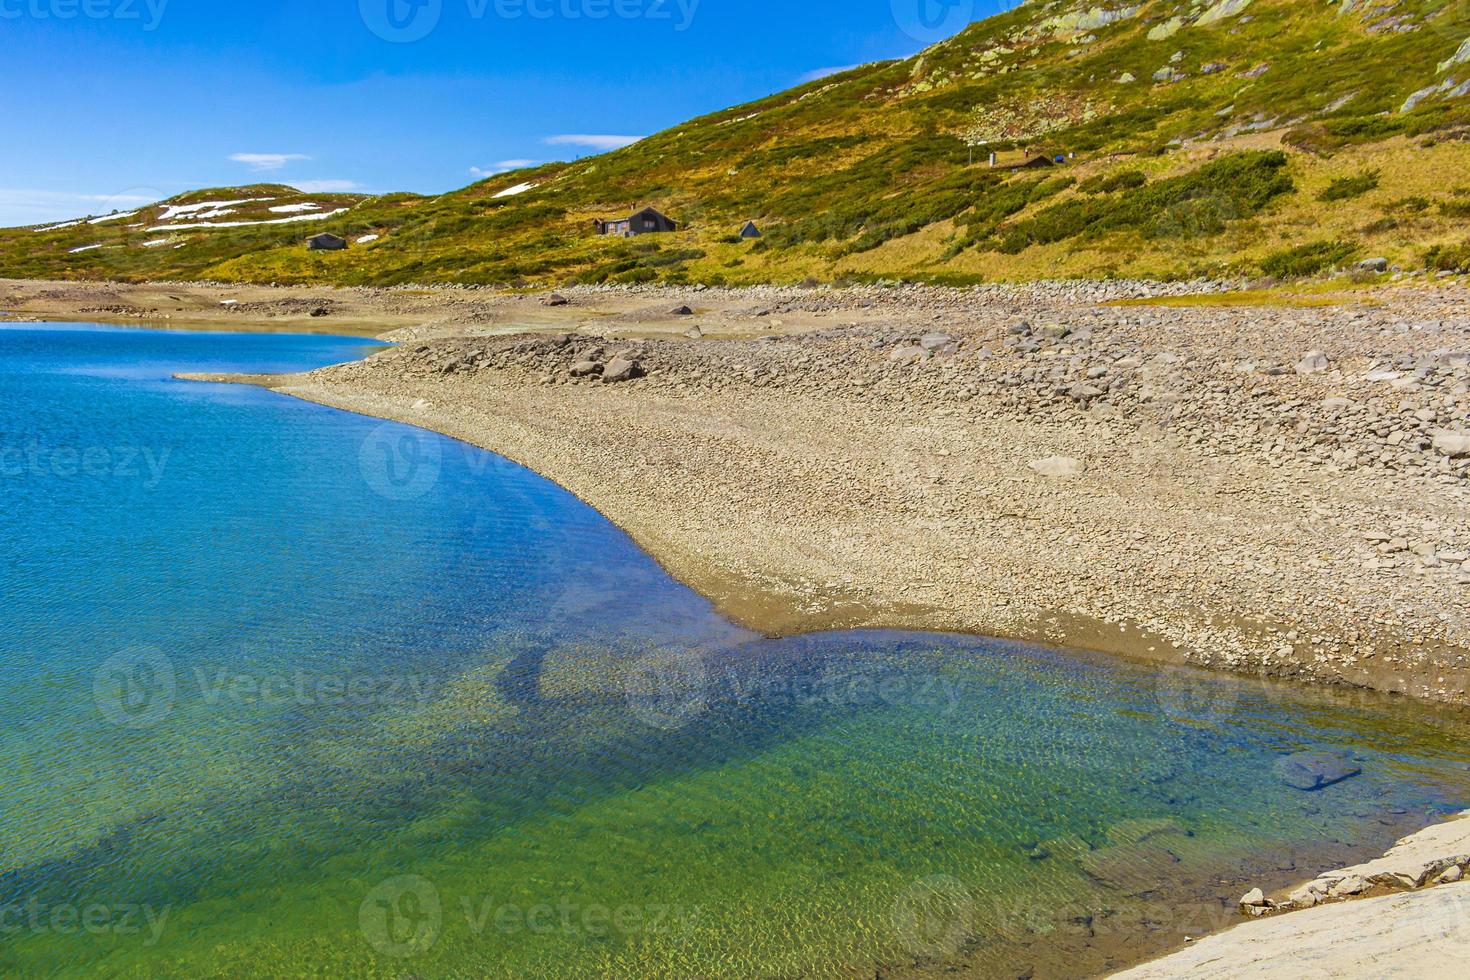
114, 101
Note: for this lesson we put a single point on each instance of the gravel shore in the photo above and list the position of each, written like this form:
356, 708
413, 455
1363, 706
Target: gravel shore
1272, 489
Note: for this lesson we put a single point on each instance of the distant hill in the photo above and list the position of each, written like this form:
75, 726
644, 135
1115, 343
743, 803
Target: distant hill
1277, 136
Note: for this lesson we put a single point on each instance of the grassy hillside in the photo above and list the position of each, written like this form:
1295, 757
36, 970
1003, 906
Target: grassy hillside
1284, 136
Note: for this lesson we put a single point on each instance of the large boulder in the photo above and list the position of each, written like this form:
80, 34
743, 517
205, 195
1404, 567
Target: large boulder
555, 299
621, 369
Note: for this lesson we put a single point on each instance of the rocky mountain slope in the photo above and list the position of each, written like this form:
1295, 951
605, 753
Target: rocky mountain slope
1274, 137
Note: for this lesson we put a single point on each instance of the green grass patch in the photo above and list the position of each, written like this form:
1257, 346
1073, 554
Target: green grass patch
1307, 260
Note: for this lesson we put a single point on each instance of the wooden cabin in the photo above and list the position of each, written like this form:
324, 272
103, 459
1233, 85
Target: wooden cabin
648, 221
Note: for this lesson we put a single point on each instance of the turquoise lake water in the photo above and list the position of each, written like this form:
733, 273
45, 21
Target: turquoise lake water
291, 692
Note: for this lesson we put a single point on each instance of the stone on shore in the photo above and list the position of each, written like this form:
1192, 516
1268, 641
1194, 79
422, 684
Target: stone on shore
1452, 443
1313, 362
621, 369
584, 369
1059, 467
555, 299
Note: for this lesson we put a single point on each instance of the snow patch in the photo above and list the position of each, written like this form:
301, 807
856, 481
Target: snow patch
294, 208
245, 224
368, 238
513, 191
180, 210
68, 224
84, 248
112, 217
157, 242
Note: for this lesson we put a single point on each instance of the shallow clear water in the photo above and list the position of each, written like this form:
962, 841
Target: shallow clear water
286, 691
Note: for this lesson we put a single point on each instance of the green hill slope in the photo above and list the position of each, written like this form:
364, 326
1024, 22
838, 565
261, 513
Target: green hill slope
1199, 137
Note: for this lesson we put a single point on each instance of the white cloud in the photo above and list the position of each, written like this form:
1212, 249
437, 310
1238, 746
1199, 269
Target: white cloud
820, 73
504, 166
326, 186
597, 141
266, 162
24, 206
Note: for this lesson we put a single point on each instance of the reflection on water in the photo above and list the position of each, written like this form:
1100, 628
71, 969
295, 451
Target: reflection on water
315, 695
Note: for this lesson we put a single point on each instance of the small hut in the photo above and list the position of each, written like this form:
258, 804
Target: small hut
326, 243
750, 230
648, 221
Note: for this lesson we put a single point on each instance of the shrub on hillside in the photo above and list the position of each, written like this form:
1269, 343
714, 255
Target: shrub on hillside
1127, 180
1346, 188
1308, 259
1448, 258
1199, 202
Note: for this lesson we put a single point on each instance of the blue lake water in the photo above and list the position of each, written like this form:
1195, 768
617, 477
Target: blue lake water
288, 691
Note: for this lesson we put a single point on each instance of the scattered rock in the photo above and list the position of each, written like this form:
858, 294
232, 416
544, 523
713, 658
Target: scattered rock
694, 333
681, 311
585, 369
556, 299
1313, 362
1452, 443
